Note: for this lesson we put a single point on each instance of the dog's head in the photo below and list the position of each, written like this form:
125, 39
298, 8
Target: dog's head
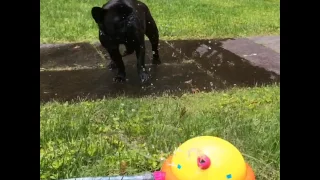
110, 21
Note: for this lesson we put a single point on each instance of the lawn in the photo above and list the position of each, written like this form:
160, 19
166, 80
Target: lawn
69, 21
94, 138
133, 135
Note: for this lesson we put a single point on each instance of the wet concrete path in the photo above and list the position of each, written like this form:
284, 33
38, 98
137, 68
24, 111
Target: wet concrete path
72, 71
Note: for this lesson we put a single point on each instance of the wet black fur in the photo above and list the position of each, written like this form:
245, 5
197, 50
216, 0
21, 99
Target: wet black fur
126, 22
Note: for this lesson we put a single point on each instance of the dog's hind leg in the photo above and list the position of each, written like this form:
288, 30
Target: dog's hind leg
153, 34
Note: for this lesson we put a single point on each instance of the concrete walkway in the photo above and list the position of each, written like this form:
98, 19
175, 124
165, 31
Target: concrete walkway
69, 71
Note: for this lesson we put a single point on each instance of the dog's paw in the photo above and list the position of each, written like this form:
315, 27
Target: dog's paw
119, 78
144, 77
156, 61
112, 66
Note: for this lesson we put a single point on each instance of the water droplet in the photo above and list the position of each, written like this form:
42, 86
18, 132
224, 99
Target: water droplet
253, 54
209, 47
188, 82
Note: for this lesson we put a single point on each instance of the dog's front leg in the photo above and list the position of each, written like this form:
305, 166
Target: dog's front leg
112, 65
140, 53
117, 59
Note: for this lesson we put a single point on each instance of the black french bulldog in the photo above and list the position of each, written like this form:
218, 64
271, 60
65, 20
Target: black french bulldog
126, 22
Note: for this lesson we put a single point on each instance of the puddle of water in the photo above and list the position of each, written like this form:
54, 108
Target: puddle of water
187, 66
96, 83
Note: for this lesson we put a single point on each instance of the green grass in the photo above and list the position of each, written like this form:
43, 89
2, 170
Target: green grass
69, 21
94, 138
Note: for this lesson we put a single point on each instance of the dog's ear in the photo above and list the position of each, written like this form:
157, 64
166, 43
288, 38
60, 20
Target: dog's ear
97, 14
